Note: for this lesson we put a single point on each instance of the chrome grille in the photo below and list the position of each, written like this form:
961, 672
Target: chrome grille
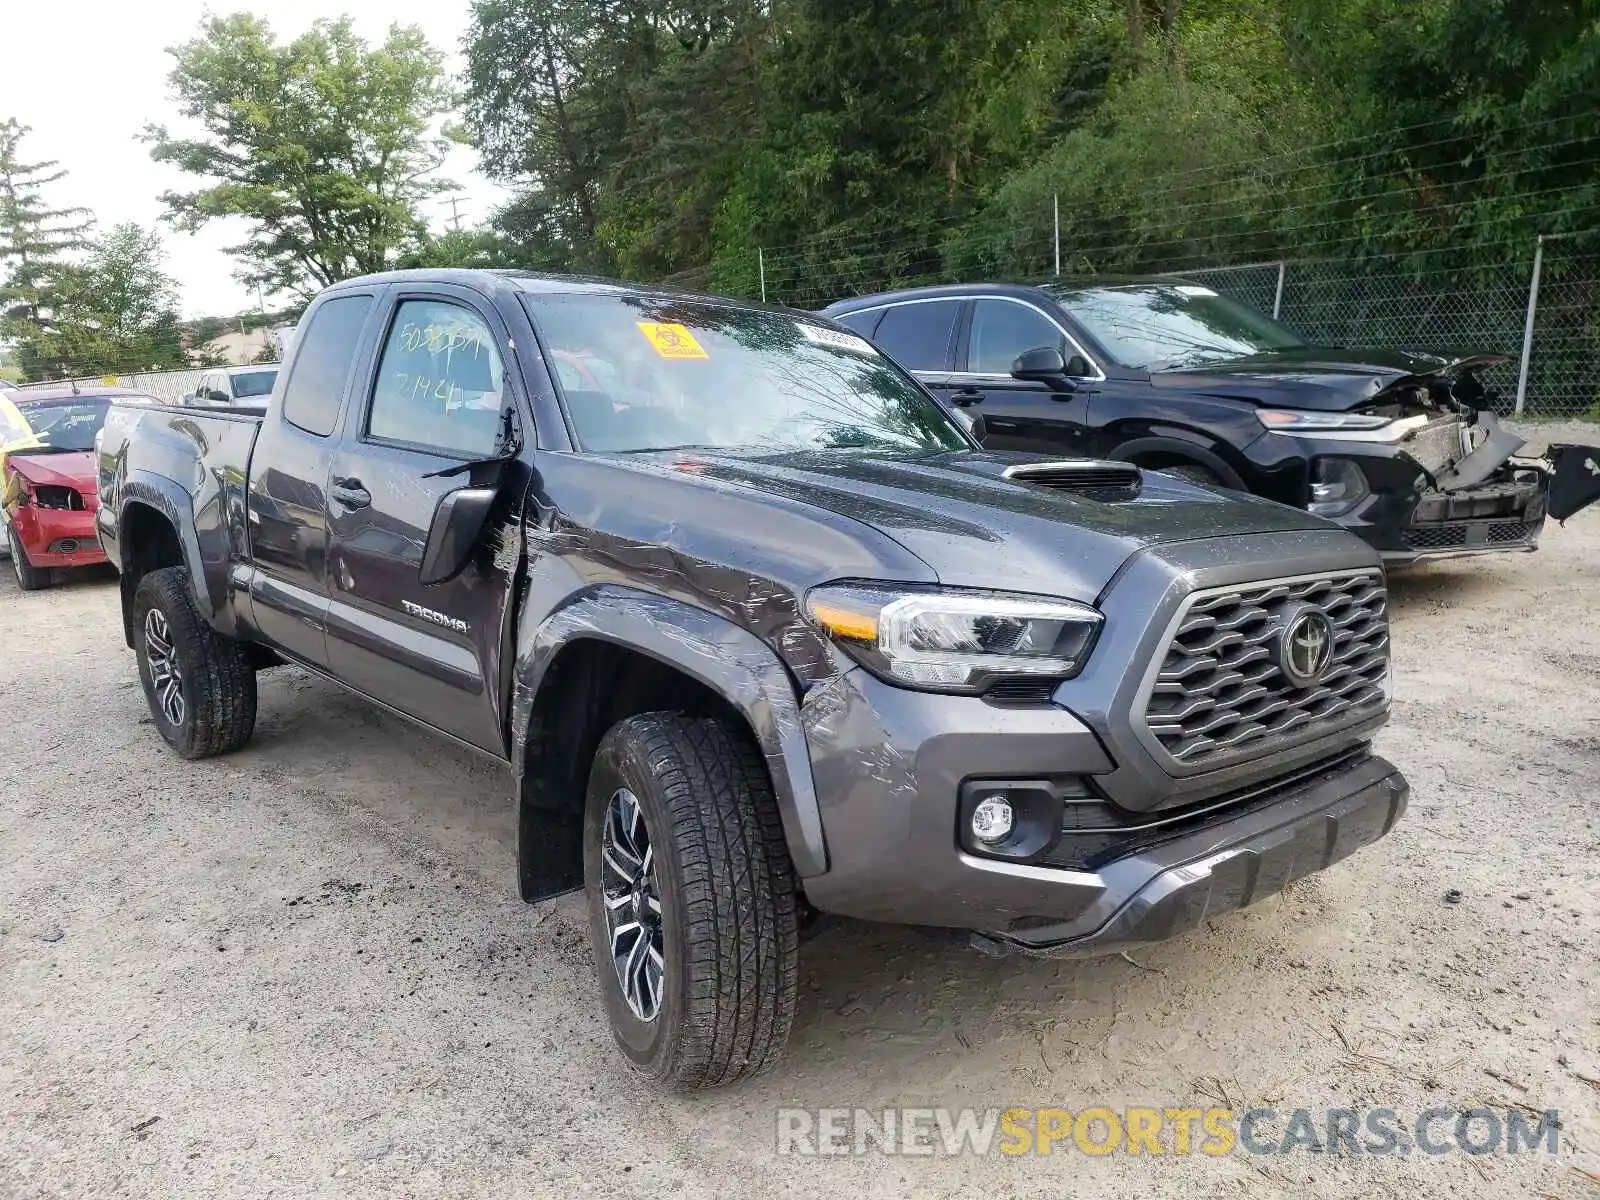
1219, 694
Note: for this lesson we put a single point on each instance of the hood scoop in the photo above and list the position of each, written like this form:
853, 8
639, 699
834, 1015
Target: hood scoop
1107, 482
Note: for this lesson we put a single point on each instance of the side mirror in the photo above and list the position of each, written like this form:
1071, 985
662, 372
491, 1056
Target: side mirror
457, 522
1045, 365
218, 396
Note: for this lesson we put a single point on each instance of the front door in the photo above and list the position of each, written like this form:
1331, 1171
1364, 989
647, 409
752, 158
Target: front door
1019, 414
434, 402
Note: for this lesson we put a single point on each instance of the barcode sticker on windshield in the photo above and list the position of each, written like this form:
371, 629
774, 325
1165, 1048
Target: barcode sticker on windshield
836, 339
672, 340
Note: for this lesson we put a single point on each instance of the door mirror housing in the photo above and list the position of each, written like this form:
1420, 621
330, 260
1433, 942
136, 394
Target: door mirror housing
457, 523
1045, 365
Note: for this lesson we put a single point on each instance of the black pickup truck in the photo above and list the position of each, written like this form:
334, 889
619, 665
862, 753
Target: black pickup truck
760, 633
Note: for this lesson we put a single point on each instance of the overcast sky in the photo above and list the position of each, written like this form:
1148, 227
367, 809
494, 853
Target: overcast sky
88, 75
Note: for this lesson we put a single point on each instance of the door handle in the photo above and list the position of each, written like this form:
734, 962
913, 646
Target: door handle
350, 493
966, 397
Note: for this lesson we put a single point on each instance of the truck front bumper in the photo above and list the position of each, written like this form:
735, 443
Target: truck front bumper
1177, 885
900, 768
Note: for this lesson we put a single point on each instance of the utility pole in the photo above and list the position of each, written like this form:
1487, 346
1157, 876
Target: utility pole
1055, 206
454, 201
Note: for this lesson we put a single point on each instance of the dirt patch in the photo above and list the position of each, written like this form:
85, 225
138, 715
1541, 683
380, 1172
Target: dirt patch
303, 970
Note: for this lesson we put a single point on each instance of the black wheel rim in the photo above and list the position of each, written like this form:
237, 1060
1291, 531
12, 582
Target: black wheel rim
165, 676
632, 898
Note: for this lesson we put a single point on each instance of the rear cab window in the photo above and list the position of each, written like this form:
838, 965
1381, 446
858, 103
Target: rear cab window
253, 384
327, 349
918, 335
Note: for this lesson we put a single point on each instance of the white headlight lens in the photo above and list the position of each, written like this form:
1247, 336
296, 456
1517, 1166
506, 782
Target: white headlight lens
1293, 420
957, 641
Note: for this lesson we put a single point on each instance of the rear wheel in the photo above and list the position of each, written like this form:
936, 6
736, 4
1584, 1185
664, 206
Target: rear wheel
691, 896
200, 686
29, 577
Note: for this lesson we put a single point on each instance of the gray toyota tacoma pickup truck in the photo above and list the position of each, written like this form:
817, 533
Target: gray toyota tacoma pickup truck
760, 633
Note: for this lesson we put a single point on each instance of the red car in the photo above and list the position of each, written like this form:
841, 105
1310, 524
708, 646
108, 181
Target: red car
49, 490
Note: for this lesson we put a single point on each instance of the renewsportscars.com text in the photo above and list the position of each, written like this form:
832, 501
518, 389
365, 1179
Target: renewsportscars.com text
1099, 1131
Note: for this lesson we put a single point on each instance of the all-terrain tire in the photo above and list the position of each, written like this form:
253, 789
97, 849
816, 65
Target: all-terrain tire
216, 685
728, 919
29, 577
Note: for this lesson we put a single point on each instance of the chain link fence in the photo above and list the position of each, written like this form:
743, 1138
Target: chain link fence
1446, 310
1423, 300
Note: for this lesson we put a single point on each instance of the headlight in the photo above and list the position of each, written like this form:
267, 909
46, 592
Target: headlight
1337, 486
1294, 420
955, 641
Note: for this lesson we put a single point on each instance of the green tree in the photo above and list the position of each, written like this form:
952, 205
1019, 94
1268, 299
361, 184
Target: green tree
323, 143
621, 122
483, 248
118, 310
35, 242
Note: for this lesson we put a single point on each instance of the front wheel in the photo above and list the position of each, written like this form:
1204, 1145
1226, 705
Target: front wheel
691, 896
29, 577
200, 685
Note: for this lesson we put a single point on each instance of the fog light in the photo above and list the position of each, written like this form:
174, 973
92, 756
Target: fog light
992, 819
1337, 486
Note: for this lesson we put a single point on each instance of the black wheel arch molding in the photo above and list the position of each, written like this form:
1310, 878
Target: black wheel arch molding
1187, 447
729, 661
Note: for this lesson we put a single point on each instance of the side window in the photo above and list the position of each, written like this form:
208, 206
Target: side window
1002, 330
917, 336
322, 364
441, 383
862, 322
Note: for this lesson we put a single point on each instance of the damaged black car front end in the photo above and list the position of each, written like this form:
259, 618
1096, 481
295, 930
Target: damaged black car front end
1399, 448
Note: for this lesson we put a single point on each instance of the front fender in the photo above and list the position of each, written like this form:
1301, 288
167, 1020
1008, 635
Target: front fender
731, 661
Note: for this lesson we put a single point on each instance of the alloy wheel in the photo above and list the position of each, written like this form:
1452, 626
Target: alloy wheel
632, 899
165, 675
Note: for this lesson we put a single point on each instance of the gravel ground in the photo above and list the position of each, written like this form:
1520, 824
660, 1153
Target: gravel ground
303, 971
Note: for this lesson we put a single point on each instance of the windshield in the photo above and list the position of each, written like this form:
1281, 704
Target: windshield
643, 373
1153, 326
68, 425
13, 427
254, 383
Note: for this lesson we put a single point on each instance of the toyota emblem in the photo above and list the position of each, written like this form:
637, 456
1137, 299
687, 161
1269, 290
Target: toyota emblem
1306, 648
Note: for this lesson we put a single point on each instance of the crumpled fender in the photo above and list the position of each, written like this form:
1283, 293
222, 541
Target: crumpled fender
729, 660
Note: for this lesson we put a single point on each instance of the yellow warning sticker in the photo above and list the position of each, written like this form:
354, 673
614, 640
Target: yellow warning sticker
671, 340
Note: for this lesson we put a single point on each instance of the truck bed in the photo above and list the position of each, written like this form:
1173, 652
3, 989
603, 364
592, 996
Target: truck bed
191, 462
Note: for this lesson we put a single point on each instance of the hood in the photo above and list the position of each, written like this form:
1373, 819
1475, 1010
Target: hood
1319, 377
65, 468
972, 526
